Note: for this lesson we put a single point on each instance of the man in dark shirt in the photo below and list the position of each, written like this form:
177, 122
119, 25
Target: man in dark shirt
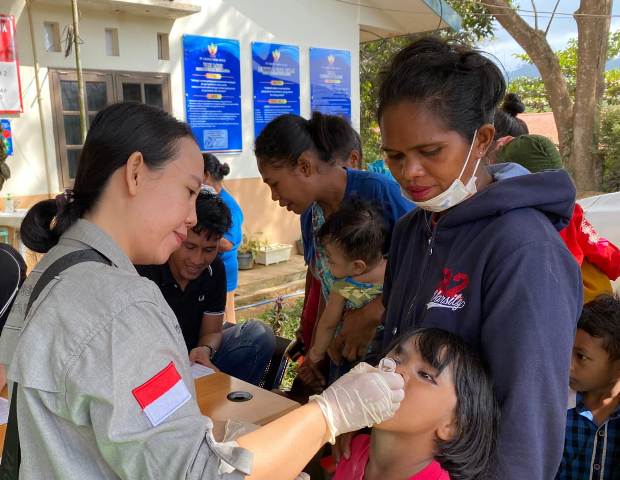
193, 282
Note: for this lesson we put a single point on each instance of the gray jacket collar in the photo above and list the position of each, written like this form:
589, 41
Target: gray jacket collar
90, 235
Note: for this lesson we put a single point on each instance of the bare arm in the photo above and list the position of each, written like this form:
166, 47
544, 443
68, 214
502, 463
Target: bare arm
225, 245
327, 326
305, 428
211, 330
210, 334
358, 329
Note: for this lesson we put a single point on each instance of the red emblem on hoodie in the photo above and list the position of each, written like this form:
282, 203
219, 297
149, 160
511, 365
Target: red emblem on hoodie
449, 291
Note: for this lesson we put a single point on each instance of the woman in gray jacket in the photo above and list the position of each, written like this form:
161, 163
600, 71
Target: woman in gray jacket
104, 388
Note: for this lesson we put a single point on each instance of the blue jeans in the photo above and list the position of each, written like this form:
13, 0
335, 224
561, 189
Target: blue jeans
246, 350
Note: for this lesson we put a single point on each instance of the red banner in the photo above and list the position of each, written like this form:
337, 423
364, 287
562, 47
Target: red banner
10, 87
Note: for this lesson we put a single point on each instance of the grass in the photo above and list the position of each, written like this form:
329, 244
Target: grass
284, 318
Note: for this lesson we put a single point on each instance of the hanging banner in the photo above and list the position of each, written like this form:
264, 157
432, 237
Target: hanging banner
330, 81
7, 136
213, 92
10, 86
275, 71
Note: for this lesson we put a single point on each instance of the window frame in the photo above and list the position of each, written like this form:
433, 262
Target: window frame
114, 81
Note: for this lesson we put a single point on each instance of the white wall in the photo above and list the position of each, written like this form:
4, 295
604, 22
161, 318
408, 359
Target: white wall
305, 23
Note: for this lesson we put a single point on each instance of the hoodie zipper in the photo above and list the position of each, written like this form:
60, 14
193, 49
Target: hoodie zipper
429, 253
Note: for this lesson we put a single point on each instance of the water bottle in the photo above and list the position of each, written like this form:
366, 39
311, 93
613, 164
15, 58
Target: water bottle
9, 204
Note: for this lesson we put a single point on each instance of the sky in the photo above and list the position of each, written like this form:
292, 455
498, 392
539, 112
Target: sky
563, 27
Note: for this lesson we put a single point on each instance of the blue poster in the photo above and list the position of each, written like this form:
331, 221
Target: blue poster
7, 136
330, 81
275, 71
213, 92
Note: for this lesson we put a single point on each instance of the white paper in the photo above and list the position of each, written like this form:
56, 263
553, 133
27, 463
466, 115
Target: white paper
4, 410
198, 370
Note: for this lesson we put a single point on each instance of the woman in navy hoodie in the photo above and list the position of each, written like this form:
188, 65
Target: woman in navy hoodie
481, 256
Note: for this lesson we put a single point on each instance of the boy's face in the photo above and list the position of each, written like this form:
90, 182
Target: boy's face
339, 265
591, 367
430, 398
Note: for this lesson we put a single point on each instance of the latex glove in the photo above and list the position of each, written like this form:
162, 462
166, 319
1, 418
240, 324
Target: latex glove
302, 476
363, 397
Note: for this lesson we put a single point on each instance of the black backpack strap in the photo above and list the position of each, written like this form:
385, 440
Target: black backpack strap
11, 453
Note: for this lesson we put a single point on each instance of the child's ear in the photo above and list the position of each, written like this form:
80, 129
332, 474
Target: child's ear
447, 430
359, 267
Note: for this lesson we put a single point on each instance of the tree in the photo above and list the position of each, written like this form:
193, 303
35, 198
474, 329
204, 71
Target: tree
476, 24
576, 117
532, 90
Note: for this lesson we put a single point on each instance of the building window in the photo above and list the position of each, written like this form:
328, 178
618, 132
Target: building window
101, 89
111, 42
52, 36
163, 49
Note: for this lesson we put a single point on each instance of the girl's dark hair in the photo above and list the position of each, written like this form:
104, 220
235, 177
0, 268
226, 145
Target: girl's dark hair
506, 120
285, 138
116, 132
600, 318
358, 229
214, 167
458, 84
467, 456
213, 216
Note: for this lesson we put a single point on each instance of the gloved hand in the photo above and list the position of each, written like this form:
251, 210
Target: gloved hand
363, 397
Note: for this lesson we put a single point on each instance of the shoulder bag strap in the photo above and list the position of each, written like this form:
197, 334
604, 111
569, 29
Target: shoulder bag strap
11, 453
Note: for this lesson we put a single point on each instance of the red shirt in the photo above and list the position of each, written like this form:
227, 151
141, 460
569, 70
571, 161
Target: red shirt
354, 468
586, 244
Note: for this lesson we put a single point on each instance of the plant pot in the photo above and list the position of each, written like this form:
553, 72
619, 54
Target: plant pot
300, 246
245, 260
273, 253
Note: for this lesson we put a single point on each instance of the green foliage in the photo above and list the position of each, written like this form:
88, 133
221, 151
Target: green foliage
252, 243
376, 55
532, 93
609, 140
476, 23
284, 319
532, 90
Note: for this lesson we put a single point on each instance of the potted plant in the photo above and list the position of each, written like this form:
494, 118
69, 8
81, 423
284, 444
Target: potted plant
267, 253
245, 252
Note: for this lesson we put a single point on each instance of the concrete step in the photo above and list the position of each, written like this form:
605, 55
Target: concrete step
261, 276
266, 282
253, 296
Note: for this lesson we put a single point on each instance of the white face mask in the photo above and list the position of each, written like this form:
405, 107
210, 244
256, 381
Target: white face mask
456, 193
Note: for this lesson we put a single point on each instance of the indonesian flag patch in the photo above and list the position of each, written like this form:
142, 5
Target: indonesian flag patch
162, 395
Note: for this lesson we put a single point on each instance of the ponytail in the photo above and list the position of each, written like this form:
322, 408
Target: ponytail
506, 121
332, 136
214, 167
285, 138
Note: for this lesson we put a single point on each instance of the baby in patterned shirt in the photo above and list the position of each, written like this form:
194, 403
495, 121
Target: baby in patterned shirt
354, 239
